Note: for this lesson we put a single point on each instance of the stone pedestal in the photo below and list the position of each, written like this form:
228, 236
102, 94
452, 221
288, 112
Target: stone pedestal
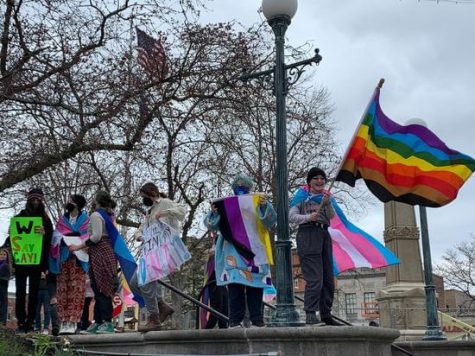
402, 303
305, 341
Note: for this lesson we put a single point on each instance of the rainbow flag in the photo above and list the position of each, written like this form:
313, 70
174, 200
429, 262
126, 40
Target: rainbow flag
409, 164
352, 247
240, 224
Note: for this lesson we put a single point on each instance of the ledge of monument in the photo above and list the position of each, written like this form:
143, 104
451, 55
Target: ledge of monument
328, 333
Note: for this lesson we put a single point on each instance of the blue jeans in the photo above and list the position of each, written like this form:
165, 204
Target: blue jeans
43, 299
150, 292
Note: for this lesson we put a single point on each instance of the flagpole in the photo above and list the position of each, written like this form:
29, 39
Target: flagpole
376, 90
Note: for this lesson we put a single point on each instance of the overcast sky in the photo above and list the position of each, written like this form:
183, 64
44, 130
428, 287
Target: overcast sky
426, 52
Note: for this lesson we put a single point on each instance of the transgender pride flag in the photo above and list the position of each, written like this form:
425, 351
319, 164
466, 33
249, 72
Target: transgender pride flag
352, 247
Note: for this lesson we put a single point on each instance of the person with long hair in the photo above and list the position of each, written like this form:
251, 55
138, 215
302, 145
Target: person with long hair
71, 279
172, 214
34, 207
102, 263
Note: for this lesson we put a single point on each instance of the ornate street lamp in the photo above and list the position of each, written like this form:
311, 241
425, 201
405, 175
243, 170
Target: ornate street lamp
279, 14
433, 331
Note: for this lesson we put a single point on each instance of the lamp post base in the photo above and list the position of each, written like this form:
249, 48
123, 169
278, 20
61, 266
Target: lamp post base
285, 315
433, 333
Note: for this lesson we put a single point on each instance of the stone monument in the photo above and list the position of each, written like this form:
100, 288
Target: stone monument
402, 303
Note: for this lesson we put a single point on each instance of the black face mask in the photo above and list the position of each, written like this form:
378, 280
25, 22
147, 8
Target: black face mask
147, 201
35, 206
69, 207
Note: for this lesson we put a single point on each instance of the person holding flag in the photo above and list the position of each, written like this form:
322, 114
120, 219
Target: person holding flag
243, 254
314, 247
102, 242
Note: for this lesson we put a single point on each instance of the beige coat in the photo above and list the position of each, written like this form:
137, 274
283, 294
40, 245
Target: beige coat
171, 213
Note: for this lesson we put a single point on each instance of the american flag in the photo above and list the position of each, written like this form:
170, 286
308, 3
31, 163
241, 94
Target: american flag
151, 55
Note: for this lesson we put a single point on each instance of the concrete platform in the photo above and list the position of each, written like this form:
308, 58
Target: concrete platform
302, 341
437, 348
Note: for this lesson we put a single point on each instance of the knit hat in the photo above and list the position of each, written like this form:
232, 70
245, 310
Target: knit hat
79, 200
315, 171
35, 193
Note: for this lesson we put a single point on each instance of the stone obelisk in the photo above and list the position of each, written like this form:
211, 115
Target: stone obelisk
402, 301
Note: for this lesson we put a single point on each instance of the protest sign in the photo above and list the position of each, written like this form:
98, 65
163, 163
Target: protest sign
116, 305
162, 252
26, 244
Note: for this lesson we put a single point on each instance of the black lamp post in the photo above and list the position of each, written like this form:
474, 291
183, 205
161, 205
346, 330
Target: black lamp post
279, 14
433, 331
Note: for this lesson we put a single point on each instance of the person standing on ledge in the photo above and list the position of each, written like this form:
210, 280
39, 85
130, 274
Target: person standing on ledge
312, 211
172, 214
236, 264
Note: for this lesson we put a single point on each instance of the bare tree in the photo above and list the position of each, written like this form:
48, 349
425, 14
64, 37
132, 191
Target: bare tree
458, 267
78, 114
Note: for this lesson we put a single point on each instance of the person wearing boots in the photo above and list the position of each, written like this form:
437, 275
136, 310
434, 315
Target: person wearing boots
312, 211
173, 214
34, 207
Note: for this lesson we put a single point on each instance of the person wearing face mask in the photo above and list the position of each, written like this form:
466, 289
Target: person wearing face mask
102, 262
312, 211
34, 208
163, 209
71, 272
244, 278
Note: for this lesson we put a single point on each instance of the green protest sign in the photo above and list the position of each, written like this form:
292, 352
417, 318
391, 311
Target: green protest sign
25, 242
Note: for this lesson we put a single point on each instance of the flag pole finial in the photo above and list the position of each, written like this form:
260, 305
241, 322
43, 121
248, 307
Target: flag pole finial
380, 84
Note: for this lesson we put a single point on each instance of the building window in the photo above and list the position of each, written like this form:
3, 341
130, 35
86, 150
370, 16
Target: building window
350, 303
370, 305
369, 297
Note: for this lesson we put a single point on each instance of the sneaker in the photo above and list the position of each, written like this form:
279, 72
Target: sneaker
235, 326
71, 327
92, 329
105, 328
63, 329
55, 331
45, 332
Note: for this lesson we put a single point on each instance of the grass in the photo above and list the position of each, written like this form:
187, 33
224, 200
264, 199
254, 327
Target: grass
32, 345
13, 345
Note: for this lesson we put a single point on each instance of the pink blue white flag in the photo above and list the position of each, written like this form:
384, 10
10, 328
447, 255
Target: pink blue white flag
352, 247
